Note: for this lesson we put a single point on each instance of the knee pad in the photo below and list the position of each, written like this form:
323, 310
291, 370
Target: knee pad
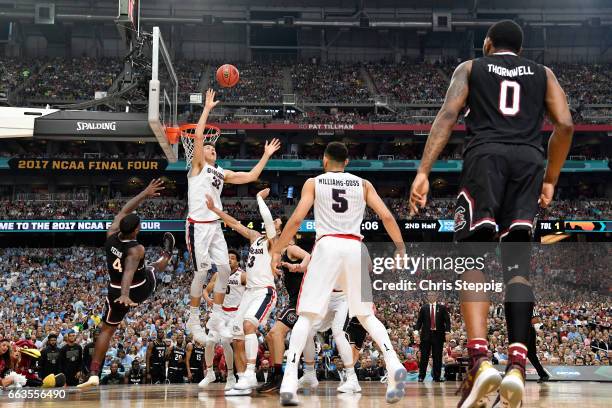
516, 255
197, 283
223, 274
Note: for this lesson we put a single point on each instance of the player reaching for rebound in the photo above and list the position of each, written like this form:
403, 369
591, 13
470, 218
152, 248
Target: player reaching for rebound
203, 230
260, 295
503, 179
294, 262
235, 290
339, 200
131, 281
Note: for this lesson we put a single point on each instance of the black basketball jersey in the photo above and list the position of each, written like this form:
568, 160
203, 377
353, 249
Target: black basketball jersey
177, 354
293, 280
197, 357
158, 354
506, 102
88, 352
136, 376
116, 253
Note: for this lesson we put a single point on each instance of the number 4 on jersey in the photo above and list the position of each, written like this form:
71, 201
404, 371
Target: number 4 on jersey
117, 265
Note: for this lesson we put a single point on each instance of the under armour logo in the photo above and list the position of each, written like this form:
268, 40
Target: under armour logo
518, 353
479, 346
510, 268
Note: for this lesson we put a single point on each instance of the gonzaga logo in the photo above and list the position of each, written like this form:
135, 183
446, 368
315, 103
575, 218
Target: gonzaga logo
460, 218
96, 126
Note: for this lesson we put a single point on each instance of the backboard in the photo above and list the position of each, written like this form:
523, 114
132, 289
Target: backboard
163, 95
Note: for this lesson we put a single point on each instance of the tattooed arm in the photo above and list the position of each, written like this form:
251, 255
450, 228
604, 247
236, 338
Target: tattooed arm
456, 98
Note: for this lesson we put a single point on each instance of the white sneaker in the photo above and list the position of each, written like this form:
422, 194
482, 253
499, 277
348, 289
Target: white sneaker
234, 392
196, 330
231, 381
308, 380
350, 386
93, 381
396, 381
209, 379
288, 390
247, 381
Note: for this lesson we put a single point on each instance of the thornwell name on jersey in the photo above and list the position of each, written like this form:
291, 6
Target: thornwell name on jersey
514, 72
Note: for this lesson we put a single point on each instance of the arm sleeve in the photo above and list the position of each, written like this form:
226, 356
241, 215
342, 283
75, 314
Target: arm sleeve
266, 215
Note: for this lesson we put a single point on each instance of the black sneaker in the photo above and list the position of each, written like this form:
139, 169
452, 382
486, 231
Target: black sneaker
272, 385
168, 244
544, 379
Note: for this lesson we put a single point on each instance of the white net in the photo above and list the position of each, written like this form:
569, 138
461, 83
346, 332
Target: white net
211, 134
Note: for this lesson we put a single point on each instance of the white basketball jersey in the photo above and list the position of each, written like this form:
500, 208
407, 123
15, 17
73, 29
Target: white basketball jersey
339, 204
209, 181
235, 290
259, 273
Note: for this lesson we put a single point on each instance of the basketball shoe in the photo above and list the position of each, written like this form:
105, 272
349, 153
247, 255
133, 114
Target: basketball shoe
481, 380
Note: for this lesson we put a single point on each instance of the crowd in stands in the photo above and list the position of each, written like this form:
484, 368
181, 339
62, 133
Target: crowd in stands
57, 290
259, 82
330, 83
246, 208
41, 210
585, 84
404, 82
73, 78
409, 82
14, 71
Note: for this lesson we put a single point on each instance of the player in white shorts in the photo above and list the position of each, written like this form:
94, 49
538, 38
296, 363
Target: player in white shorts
339, 201
335, 319
236, 285
204, 236
260, 296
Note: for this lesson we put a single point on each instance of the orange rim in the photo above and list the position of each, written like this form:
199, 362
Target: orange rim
188, 130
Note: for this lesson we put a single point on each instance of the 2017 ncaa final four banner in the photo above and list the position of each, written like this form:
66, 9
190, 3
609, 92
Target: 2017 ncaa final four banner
88, 165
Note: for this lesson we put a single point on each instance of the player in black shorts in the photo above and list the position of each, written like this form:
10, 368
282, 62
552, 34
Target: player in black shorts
504, 177
294, 262
177, 369
195, 362
131, 282
156, 359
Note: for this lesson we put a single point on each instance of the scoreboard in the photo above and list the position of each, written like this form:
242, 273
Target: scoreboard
574, 226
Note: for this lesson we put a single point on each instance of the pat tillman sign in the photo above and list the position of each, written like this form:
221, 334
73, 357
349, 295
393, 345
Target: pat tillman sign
130, 165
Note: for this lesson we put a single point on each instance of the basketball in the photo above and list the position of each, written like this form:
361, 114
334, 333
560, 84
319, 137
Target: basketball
227, 75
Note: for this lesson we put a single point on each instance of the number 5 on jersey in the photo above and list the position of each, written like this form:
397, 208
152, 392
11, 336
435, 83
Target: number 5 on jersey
340, 204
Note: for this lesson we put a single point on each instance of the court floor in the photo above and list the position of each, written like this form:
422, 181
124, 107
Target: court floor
556, 395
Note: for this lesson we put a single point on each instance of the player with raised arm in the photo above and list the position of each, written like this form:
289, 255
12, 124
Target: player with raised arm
236, 286
260, 295
204, 236
339, 200
294, 262
131, 281
504, 177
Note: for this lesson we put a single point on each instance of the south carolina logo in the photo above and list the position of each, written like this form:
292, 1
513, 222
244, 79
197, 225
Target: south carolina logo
460, 218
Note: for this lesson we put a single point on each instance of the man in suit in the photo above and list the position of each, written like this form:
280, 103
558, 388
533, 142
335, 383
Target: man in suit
433, 324
264, 371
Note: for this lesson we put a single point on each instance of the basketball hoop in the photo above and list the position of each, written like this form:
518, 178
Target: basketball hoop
186, 134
